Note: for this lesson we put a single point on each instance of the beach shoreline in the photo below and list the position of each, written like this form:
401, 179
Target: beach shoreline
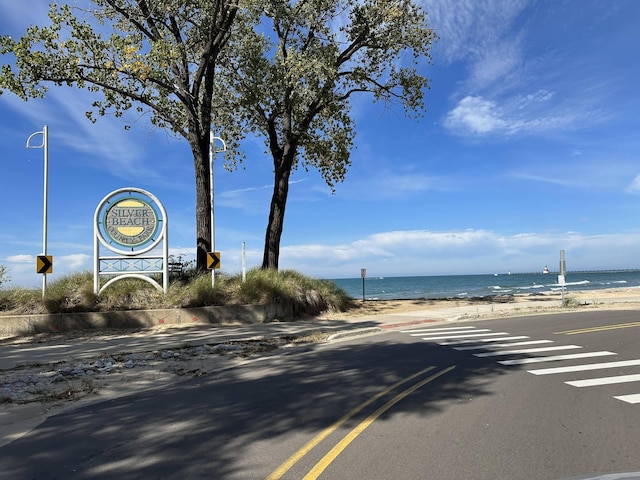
618, 298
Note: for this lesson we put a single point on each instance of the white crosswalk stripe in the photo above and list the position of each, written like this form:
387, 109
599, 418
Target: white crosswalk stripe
467, 335
584, 368
556, 358
498, 344
527, 350
634, 398
484, 340
443, 329
604, 381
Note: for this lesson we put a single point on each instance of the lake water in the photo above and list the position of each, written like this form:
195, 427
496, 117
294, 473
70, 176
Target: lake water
465, 286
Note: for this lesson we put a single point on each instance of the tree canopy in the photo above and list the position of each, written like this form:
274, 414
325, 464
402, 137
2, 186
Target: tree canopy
285, 70
291, 68
157, 57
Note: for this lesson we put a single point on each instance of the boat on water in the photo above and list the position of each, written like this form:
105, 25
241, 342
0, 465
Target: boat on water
545, 270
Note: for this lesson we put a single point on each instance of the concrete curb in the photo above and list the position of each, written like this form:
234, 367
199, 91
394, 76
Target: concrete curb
354, 333
16, 325
379, 329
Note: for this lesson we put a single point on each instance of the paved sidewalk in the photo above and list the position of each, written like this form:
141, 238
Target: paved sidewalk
58, 348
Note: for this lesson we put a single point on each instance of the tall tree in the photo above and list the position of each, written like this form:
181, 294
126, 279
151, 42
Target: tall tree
290, 72
156, 55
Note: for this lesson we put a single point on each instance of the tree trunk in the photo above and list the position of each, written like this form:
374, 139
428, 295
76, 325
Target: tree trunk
200, 149
276, 216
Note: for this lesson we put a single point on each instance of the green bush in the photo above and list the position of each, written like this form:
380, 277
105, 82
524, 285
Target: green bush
74, 293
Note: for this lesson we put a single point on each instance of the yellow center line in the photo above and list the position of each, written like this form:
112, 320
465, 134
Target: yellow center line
599, 329
293, 459
321, 466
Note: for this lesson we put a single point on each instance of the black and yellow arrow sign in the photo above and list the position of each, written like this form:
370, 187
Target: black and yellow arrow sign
44, 264
213, 260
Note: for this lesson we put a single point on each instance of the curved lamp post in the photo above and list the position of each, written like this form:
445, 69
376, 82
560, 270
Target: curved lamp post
212, 151
45, 146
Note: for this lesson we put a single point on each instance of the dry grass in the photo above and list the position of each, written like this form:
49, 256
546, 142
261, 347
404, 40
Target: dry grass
74, 293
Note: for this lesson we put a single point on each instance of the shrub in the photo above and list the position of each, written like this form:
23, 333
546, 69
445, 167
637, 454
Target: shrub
74, 293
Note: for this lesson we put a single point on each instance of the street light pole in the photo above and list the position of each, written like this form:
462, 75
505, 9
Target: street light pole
212, 141
45, 147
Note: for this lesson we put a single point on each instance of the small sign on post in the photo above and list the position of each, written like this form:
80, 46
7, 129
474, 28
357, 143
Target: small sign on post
213, 260
44, 264
363, 274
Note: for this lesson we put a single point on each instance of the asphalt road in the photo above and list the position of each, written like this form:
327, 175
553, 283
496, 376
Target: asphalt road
416, 404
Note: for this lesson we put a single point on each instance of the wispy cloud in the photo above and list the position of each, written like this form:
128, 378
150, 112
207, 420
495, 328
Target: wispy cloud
423, 252
597, 173
634, 186
407, 252
20, 259
105, 144
520, 115
470, 28
385, 184
249, 199
510, 88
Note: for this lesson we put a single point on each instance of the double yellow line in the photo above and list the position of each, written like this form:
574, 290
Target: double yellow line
599, 329
315, 472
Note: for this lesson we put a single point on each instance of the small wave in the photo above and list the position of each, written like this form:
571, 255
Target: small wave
583, 282
529, 287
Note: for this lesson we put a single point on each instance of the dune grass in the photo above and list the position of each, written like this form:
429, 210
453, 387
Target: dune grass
74, 293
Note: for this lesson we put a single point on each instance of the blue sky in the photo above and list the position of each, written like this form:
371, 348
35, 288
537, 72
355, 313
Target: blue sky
529, 145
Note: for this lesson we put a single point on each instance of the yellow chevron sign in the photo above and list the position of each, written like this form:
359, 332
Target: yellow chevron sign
44, 264
213, 260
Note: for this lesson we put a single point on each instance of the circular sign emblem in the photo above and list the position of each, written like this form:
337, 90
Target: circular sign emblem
130, 222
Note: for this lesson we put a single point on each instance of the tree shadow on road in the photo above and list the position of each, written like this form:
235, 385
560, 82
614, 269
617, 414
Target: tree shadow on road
239, 423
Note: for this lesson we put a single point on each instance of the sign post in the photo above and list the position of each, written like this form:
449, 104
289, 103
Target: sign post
212, 151
45, 147
363, 274
562, 273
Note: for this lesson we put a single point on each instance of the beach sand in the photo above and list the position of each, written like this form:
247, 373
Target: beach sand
526, 304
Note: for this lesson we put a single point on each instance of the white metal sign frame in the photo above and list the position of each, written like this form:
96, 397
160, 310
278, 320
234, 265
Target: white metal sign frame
132, 223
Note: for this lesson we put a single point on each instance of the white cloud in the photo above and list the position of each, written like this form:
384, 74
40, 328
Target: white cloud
504, 61
495, 65
634, 186
475, 114
595, 173
386, 184
105, 144
78, 261
406, 252
423, 252
470, 28
517, 116
21, 259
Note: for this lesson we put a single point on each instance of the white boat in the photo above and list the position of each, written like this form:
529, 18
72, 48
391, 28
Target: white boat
545, 270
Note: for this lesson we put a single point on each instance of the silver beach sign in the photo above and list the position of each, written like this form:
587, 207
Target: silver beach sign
131, 222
